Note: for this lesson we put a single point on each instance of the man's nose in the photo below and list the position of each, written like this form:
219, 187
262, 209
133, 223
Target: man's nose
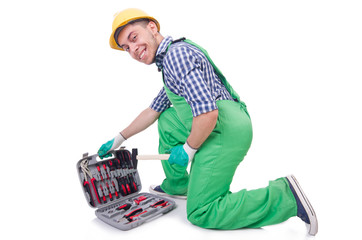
134, 48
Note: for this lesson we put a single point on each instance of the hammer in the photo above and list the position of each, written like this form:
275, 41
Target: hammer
136, 157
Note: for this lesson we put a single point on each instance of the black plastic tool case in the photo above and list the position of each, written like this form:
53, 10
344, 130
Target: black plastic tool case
113, 187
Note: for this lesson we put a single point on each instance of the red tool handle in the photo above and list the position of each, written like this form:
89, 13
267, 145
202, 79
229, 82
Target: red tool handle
105, 169
130, 219
115, 189
104, 197
159, 203
124, 207
95, 189
133, 213
109, 191
140, 199
99, 171
87, 188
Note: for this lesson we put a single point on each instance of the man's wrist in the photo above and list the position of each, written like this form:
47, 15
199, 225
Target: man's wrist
118, 140
189, 146
190, 151
124, 139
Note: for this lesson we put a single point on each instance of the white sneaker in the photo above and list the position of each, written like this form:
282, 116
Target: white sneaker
305, 209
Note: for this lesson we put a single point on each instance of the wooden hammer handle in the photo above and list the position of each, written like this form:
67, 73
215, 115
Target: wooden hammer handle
153, 157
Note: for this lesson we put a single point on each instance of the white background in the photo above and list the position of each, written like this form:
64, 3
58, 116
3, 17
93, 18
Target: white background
64, 91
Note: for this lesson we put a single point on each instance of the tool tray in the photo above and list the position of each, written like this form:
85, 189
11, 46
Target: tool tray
113, 187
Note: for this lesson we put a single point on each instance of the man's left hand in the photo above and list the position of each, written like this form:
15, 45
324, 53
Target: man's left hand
181, 155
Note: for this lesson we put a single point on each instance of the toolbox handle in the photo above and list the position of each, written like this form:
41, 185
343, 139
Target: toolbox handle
93, 159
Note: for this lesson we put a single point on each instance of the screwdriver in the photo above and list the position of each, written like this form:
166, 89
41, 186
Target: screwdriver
131, 185
105, 169
122, 187
112, 167
129, 163
109, 191
115, 189
104, 197
126, 181
99, 171
120, 181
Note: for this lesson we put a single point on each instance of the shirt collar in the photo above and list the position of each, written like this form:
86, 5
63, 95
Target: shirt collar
161, 51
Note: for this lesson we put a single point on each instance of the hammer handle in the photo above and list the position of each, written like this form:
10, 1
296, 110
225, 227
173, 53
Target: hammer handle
153, 157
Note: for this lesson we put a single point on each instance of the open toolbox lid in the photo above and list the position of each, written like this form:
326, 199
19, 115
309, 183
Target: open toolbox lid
105, 180
113, 183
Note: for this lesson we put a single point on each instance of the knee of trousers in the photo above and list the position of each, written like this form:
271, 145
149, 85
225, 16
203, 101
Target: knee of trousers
196, 218
192, 217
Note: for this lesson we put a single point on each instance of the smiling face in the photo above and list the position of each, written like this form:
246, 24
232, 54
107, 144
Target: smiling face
140, 40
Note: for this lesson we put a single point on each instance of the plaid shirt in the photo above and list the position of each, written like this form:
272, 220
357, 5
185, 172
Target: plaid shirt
188, 73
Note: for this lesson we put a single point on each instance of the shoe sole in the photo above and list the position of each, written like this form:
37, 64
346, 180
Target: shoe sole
313, 226
151, 189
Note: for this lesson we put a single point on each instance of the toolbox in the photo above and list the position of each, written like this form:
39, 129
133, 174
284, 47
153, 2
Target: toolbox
113, 186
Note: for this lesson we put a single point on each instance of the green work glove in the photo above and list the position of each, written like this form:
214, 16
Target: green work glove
110, 145
181, 155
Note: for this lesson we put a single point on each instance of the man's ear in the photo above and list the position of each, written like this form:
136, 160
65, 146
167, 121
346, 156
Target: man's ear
152, 26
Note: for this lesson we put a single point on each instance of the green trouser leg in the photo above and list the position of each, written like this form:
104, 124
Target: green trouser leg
172, 133
210, 204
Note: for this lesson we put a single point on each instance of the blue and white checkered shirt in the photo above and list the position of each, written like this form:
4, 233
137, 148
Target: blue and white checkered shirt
188, 73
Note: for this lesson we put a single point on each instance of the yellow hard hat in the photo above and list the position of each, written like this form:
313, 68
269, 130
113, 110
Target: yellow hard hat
124, 17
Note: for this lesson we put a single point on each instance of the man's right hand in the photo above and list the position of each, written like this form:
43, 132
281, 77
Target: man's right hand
110, 145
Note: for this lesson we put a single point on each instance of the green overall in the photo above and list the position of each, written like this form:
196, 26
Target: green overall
210, 204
